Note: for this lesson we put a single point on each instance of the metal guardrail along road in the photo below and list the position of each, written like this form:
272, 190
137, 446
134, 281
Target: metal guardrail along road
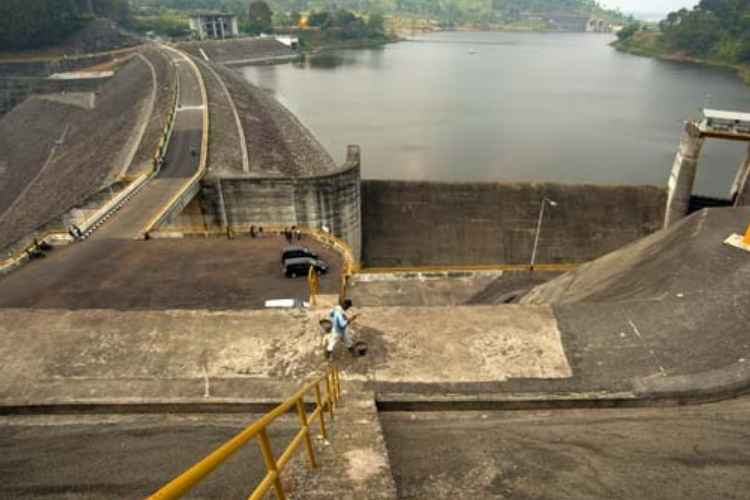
182, 484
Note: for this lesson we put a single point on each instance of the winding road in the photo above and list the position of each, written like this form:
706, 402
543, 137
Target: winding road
183, 159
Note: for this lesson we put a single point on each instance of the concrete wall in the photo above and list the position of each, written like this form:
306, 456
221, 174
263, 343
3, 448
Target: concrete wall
14, 91
40, 68
20, 79
331, 200
428, 223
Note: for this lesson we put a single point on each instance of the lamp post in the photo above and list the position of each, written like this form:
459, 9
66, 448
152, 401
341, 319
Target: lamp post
552, 203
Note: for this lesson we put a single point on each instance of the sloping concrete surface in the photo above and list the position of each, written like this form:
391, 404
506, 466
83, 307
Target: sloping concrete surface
673, 304
127, 456
130, 456
692, 453
53, 156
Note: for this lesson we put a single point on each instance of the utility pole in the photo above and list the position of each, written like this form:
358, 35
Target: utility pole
545, 200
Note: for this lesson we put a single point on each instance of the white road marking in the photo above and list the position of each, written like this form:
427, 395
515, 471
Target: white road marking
635, 329
651, 351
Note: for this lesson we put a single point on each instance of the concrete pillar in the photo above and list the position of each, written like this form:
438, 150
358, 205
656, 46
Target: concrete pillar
353, 155
741, 186
221, 23
680, 187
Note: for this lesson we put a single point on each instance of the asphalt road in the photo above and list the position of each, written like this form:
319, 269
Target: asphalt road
191, 273
126, 457
182, 162
692, 453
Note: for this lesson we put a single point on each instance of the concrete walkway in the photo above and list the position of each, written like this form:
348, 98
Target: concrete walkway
56, 355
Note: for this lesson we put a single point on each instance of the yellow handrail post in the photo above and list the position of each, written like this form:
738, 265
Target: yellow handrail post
746, 239
312, 281
329, 399
338, 382
333, 386
342, 290
321, 411
306, 427
265, 447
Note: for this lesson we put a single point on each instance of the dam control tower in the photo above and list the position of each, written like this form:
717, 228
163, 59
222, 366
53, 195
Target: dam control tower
715, 124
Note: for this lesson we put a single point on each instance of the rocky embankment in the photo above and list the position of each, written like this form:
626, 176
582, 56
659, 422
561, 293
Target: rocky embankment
57, 150
278, 145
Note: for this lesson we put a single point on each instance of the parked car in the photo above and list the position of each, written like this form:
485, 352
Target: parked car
296, 252
301, 267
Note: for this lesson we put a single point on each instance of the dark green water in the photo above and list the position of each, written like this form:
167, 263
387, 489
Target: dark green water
522, 107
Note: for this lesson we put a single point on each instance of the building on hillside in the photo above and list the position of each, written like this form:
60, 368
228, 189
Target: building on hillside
214, 25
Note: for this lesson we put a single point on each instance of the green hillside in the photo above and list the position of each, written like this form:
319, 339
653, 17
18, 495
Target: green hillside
446, 12
714, 31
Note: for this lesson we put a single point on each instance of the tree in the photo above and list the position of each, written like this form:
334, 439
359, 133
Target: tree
376, 23
26, 24
295, 18
628, 32
319, 20
118, 10
260, 18
343, 19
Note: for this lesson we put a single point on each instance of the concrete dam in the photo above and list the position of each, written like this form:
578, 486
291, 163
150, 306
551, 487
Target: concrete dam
141, 354
265, 168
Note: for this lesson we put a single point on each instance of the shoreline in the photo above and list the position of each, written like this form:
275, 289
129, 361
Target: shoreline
741, 70
353, 44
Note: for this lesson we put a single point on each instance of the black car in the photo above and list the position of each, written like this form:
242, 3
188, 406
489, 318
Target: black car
295, 252
301, 266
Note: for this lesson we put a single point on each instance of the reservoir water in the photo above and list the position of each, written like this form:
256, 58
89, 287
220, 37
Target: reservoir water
509, 107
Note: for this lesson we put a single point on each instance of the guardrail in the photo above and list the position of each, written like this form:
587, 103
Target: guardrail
185, 482
469, 268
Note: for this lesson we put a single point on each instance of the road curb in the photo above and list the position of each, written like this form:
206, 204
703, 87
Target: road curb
134, 406
721, 383
391, 402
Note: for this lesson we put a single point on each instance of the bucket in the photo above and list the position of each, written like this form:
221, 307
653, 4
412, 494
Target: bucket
360, 349
326, 325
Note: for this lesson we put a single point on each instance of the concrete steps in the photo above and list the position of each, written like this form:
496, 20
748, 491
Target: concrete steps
354, 463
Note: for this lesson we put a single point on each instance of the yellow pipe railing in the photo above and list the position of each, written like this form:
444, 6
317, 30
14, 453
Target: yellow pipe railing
185, 482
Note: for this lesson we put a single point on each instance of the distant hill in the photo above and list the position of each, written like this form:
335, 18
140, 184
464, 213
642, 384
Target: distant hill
521, 14
32, 24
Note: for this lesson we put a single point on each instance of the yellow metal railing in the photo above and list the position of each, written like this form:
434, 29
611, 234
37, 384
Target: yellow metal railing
183, 483
312, 279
